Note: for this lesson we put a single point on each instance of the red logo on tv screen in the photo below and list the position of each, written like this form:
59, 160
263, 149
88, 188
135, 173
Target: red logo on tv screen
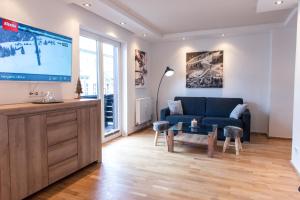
10, 25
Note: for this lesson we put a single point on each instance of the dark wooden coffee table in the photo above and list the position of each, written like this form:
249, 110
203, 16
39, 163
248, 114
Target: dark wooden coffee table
202, 135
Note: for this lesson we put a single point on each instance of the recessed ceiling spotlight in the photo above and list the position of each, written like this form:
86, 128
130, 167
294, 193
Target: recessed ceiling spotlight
87, 4
278, 2
223, 35
145, 35
183, 38
122, 23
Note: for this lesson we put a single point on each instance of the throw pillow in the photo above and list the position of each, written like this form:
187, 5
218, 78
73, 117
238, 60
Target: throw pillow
238, 110
175, 107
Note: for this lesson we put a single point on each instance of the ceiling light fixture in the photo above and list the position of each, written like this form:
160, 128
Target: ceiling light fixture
87, 4
183, 38
223, 35
278, 2
145, 35
122, 23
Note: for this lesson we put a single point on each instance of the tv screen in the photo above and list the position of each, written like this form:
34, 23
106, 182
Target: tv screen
32, 54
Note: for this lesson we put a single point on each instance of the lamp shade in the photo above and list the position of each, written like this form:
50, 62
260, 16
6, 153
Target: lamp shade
169, 71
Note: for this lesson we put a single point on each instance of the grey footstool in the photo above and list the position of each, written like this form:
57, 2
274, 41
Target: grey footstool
160, 128
236, 133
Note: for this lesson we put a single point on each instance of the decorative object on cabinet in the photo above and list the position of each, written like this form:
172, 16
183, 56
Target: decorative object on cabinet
78, 88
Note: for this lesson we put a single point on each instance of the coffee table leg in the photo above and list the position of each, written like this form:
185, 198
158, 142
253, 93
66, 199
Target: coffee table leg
212, 143
170, 141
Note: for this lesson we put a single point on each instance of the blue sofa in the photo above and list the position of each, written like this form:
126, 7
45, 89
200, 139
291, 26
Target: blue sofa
210, 111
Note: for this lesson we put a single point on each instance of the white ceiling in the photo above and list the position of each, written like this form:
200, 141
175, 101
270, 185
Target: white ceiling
269, 5
173, 16
162, 18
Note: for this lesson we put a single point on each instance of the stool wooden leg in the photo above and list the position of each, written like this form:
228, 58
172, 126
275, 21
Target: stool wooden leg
240, 144
237, 148
166, 137
226, 143
156, 138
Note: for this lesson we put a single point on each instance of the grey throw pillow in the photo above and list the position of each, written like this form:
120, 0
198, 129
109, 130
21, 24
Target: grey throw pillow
175, 107
238, 110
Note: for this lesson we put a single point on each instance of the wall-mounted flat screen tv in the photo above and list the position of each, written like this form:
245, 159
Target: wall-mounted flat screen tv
32, 54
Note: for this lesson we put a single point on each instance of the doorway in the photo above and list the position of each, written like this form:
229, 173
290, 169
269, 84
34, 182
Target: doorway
99, 75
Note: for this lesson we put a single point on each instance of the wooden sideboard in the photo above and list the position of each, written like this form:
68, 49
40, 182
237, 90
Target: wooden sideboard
41, 144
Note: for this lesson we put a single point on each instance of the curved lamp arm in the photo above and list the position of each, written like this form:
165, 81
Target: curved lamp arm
168, 72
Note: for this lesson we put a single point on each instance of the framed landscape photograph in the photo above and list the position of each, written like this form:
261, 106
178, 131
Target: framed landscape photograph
140, 69
204, 69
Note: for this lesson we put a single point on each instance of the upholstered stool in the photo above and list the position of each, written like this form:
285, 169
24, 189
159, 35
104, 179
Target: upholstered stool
236, 133
160, 128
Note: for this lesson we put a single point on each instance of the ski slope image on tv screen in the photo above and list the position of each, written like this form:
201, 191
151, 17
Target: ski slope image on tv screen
32, 54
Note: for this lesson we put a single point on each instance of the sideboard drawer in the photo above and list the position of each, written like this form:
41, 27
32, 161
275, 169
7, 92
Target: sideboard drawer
61, 132
62, 151
63, 169
60, 117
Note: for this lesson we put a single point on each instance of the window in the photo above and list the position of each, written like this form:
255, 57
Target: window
108, 68
89, 67
110, 83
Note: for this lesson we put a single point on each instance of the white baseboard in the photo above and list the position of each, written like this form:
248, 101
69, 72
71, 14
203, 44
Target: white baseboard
139, 127
293, 165
112, 137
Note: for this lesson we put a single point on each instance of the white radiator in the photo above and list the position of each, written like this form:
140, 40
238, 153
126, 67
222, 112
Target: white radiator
143, 110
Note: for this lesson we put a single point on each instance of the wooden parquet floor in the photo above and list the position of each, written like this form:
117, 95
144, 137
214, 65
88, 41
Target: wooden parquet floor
134, 169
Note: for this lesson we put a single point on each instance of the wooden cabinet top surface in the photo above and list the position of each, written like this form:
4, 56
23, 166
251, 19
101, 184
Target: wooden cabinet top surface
24, 108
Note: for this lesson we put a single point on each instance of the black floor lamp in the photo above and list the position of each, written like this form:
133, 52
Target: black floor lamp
168, 72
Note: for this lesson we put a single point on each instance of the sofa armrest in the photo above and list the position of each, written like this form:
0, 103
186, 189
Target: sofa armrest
246, 118
164, 113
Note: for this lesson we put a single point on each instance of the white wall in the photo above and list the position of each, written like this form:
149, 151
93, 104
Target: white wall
246, 72
139, 92
296, 116
56, 16
282, 80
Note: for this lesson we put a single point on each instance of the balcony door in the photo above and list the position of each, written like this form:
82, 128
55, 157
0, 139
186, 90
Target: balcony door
99, 74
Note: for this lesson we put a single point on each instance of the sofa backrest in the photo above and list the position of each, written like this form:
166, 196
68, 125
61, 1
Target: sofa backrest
221, 107
192, 105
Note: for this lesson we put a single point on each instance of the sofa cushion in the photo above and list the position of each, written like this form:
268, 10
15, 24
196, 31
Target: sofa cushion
174, 119
175, 107
238, 111
221, 107
193, 105
222, 121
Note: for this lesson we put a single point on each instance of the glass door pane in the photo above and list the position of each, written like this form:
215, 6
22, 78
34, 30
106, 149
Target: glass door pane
110, 88
89, 67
